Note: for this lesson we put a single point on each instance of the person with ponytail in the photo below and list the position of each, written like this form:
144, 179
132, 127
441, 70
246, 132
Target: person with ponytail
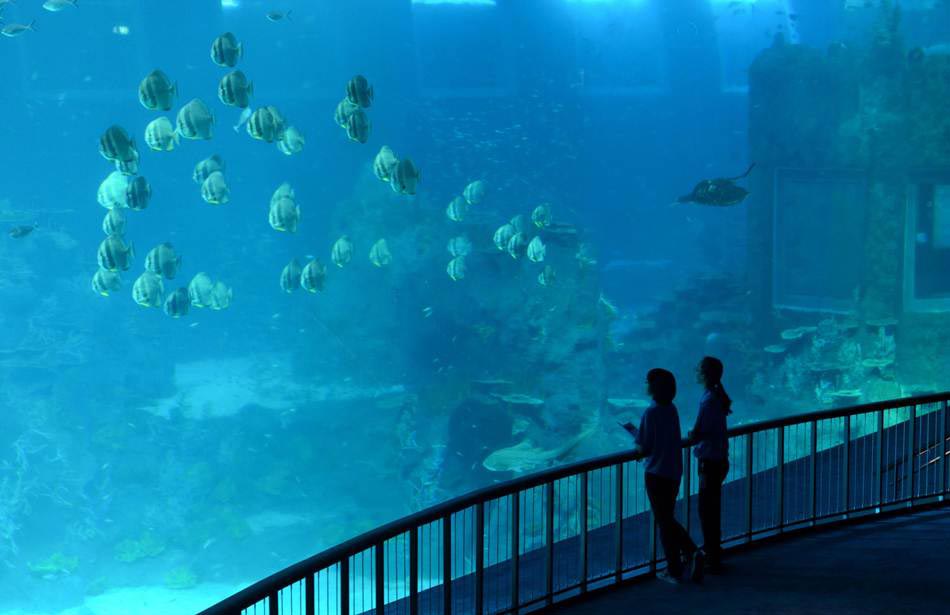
711, 441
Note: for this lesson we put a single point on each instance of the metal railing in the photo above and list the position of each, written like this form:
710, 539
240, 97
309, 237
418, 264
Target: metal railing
541, 538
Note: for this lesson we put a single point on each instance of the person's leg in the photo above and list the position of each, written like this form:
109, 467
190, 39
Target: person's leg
662, 496
710, 507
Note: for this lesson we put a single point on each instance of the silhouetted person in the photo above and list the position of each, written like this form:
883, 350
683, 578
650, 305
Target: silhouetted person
660, 443
712, 452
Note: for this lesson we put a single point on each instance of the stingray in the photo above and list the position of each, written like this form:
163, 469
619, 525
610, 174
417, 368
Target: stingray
719, 192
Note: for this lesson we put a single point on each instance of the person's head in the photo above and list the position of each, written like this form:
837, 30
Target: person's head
661, 385
709, 374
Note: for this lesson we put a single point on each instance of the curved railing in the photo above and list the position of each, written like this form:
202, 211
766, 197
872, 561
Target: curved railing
552, 535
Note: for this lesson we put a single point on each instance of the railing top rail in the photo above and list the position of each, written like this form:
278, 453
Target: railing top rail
294, 573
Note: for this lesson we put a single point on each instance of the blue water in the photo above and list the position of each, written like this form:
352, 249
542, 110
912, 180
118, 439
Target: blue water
225, 445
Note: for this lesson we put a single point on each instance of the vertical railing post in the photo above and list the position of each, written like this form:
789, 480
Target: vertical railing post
748, 488
846, 468
447, 564
912, 455
814, 471
583, 531
549, 544
515, 526
413, 571
943, 485
345, 585
380, 577
909, 439
479, 558
618, 529
881, 470
687, 475
310, 604
273, 606
780, 479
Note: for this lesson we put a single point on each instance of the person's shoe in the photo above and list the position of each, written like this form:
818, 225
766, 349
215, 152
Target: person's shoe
664, 575
697, 563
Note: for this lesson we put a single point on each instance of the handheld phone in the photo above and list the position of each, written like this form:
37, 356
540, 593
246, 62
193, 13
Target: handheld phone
629, 428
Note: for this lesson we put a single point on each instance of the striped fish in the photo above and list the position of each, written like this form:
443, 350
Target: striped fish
195, 121
163, 261
226, 50
214, 189
206, 167
221, 296
114, 255
106, 282
291, 142
405, 176
114, 223
266, 124
128, 167
343, 112
160, 135
199, 289
314, 276
148, 290
284, 215
359, 91
116, 144
177, 303
235, 90
357, 126
138, 193
290, 276
157, 92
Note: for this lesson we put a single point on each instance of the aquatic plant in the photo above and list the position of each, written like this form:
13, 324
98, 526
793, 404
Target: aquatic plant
132, 550
181, 577
55, 565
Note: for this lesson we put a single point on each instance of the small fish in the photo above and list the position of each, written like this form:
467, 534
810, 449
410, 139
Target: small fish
284, 215
342, 251
235, 90
516, 245
547, 276
503, 235
266, 124
243, 118
54, 6
456, 209
459, 246
474, 193
21, 231
456, 268
195, 121
221, 296
541, 216
536, 250
343, 112
426, 312
275, 16
148, 290
214, 189
379, 254
116, 144
106, 282
15, 29
358, 126
114, 223
292, 142
199, 290
138, 193
405, 177
162, 260
160, 135
313, 277
359, 91
226, 50
157, 92
290, 277
206, 167
176, 304
385, 163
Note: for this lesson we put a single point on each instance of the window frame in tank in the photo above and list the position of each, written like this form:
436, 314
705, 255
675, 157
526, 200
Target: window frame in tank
912, 303
809, 303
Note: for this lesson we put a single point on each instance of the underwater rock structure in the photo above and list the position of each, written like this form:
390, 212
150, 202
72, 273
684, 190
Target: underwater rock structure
852, 145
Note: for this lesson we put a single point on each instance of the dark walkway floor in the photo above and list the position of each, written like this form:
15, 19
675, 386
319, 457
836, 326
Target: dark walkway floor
898, 565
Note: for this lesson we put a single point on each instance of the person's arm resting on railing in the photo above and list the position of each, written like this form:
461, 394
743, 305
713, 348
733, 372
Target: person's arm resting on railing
645, 437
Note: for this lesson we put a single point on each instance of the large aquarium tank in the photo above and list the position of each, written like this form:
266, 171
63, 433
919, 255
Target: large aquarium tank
276, 272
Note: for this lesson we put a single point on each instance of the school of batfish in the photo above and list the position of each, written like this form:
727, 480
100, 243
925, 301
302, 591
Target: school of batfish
124, 189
